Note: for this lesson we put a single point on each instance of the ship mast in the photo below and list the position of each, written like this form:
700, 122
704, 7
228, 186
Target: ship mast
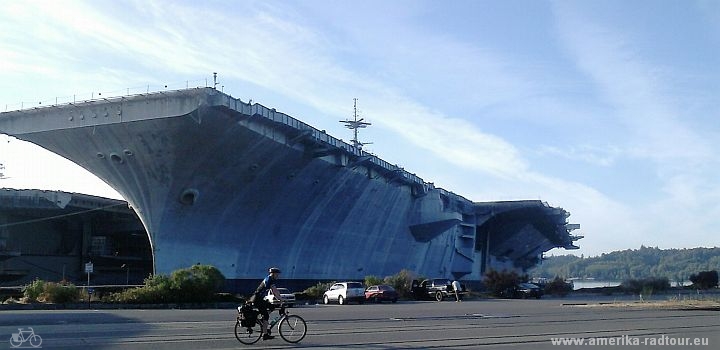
356, 124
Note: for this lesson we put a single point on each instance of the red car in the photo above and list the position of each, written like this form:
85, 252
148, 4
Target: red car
380, 293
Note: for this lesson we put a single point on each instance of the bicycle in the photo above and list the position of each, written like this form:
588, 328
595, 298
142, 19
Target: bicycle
292, 328
23, 336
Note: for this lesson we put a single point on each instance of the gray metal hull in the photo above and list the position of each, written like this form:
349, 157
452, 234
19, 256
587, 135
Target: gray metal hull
242, 187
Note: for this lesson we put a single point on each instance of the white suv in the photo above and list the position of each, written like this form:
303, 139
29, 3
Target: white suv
345, 292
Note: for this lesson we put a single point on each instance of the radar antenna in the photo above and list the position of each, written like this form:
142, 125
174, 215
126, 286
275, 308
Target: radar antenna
356, 124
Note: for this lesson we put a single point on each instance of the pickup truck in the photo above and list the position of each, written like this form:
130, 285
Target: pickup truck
434, 289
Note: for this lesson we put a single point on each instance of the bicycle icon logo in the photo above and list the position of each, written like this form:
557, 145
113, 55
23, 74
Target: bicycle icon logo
18, 339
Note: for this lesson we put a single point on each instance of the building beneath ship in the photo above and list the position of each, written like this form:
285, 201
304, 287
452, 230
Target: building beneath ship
242, 187
51, 235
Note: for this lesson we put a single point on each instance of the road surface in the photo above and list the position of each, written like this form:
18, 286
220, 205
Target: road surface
477, 324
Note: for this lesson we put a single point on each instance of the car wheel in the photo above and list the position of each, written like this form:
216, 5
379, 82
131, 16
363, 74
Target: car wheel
326, 300
341, 300
439, 296
394, 301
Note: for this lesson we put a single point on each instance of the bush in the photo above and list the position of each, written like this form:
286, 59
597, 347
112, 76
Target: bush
499, 283
705, 279
316, 292
558, 286
373, 280
402, 282
51, 292
33, 290
61, 293
646, 286
198, 283
156, 289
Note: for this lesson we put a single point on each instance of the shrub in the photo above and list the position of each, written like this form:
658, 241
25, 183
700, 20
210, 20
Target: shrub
373, 280
61, 293
155, 290
316, 292
558, 286
499, 283
198, 283
33, 290
402, 282
646, 286
704, 279
51, 292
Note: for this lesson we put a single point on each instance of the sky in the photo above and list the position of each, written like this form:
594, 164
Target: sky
608, 109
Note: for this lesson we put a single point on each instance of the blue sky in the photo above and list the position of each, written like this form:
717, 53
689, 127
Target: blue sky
608, 109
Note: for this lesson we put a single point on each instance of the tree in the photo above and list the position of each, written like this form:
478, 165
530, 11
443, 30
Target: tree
645, 262
705, 279
501, 283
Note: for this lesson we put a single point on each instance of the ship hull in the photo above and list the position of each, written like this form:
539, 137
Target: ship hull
242, 187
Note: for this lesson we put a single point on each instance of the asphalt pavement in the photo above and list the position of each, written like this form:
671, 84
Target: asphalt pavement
473, 324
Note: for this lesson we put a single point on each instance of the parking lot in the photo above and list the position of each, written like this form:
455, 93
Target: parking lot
489, 323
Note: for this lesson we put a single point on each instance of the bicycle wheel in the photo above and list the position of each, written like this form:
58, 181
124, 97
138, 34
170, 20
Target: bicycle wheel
292, 328
248, 335
35, 341
15, 343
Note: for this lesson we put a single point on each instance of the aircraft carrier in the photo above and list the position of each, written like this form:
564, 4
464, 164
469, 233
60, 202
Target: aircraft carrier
240, 186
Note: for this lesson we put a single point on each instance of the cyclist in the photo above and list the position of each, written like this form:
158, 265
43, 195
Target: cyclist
268, 283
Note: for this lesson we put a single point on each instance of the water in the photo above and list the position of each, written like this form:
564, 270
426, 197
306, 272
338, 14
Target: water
578, 284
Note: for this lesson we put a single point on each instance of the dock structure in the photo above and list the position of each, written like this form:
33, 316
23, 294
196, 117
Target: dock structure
51, 235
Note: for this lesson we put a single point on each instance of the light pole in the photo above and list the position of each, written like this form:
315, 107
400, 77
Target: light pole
127, 275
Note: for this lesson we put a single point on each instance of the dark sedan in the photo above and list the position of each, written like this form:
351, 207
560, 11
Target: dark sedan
380, 293
527, 290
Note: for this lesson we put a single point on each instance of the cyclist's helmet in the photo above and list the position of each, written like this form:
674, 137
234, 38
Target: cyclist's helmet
274, 270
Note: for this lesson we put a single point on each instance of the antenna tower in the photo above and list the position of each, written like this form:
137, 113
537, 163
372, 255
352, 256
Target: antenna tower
356, 124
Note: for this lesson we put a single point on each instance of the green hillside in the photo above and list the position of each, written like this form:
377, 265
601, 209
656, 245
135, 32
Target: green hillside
675, 264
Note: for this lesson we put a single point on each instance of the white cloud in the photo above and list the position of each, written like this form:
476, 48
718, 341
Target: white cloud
593, 155
414, 69
656, 132
633, 87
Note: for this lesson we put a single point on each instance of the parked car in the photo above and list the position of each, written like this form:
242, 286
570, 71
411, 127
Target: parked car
527, 290
287, 296
345, 292
381, 293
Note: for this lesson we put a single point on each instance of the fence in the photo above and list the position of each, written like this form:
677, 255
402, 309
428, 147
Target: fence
99, 95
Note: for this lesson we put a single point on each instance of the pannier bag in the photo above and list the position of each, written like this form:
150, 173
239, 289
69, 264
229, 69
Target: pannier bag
248, 316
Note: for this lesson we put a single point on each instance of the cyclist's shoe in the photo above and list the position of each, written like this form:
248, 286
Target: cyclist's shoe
268, 336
